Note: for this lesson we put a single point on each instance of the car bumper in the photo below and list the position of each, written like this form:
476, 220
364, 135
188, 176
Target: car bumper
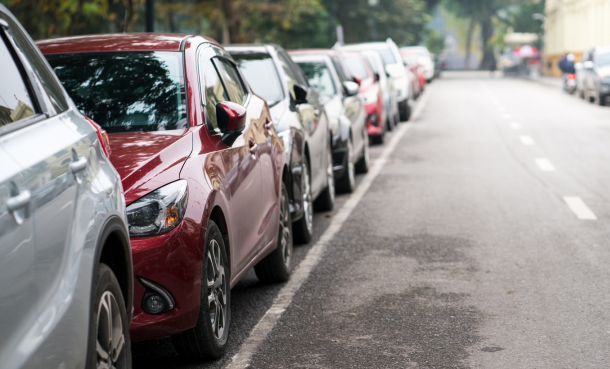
173, 261
375, 127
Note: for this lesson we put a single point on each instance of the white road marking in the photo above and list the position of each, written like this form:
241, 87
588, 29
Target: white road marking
507, 116
579, 208
515, 125
300, 275
545, 165
527, 140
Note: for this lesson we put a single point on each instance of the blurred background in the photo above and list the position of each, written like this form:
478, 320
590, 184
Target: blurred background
517, 36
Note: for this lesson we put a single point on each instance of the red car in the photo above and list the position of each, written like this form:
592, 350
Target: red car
371, 93
203, 173
418, 70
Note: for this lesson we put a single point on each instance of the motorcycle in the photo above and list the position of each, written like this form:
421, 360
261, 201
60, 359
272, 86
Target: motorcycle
569, 83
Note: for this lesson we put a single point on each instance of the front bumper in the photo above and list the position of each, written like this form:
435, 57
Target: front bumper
173, 261
374, 126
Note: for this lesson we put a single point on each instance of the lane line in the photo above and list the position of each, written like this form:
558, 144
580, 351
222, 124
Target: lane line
527, 140
579, 208
242, 358
515, 125
545, 165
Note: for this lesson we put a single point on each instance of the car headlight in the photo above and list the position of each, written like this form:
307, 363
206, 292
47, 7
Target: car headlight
370, 97
158, 212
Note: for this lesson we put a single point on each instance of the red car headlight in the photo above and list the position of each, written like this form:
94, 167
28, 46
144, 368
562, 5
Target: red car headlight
158, 212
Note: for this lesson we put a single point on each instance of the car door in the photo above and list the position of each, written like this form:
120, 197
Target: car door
242, 180
310, 116
352, 107
53, 157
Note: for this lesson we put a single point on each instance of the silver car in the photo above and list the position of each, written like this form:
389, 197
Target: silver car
65, 259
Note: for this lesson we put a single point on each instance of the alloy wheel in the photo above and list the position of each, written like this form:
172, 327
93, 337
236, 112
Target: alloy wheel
110, 337
307, 199
285, 230
216, 289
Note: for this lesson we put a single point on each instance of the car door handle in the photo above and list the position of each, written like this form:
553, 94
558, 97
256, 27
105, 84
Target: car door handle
17, 202
79, 165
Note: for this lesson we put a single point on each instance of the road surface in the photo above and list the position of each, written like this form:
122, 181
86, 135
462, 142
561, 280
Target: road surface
482, 240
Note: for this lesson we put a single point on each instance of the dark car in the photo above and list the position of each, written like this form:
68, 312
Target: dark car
202, 172
594, 77
301, 122
325, 71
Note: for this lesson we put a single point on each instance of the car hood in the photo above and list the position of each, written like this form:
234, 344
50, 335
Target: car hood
148, 160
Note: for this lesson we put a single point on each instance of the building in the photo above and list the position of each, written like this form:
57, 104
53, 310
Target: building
574, 26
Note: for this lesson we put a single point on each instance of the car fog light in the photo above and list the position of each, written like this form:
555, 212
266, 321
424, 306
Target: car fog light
154, 304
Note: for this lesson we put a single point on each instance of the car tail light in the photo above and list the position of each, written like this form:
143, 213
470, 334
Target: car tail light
571, 77
102, 136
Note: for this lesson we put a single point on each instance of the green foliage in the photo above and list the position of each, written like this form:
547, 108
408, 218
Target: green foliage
521, 19
435, 42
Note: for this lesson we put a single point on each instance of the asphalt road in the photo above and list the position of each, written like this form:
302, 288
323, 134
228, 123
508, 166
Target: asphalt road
482, 243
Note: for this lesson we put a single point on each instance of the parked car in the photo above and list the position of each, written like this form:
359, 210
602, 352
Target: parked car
301, 122
339, 95
395, 67
594, 75
425, 59
417, 71
204, 174
371, 93
66, 281
387, 87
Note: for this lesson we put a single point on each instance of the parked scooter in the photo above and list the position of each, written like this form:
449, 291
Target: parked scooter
569, 83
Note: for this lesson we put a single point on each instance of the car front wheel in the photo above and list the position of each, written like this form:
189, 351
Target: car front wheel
326, 200
208, 339
347, 182
303, 228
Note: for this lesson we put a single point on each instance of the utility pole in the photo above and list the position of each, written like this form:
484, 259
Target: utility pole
373, 4
150, 15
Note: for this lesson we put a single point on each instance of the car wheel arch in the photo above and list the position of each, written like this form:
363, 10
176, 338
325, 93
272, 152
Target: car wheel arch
114, 249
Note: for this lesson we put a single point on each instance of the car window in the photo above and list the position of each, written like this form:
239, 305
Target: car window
603, 59
126, 91
214, 93
290, 74
15, 100
318, 75
356, 66
343, 76
232, 80
387, 55
372, 63
30, 53
261, 74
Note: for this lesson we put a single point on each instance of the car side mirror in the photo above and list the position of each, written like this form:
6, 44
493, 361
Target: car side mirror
351, 88
231, 120
588, 64
358, 80
388, 74
377, 77
300, 94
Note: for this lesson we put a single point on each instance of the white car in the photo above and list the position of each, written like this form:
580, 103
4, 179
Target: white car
425, 59
395, 67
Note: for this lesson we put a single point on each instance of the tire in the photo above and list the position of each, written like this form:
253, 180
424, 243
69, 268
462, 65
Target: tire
109, 325
208, 339
362, 166
326, 200
276, 267
581, 94
389, 123
405, 111
303, 228
601, 100
347, 182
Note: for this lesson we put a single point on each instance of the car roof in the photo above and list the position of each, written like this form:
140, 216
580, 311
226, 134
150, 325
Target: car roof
249, 48
329, 52
115, 42
367, 45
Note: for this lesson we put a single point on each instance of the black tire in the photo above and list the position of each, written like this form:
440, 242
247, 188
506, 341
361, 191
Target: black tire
378, 139
404, 110
347, 182
601, 100
277, 266
205, 341
581, 93
303, 228
362, 165
326, 200
389, 123
107, 288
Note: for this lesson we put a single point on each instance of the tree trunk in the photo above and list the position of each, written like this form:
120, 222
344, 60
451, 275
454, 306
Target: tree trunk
469, 43
233, 20
487, 31
172, 21
76, 18
132, 17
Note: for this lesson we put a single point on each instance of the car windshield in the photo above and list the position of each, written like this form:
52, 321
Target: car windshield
126, 91
356, 66
387, 55
603, 60
318, 76
372, 63
262, 76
